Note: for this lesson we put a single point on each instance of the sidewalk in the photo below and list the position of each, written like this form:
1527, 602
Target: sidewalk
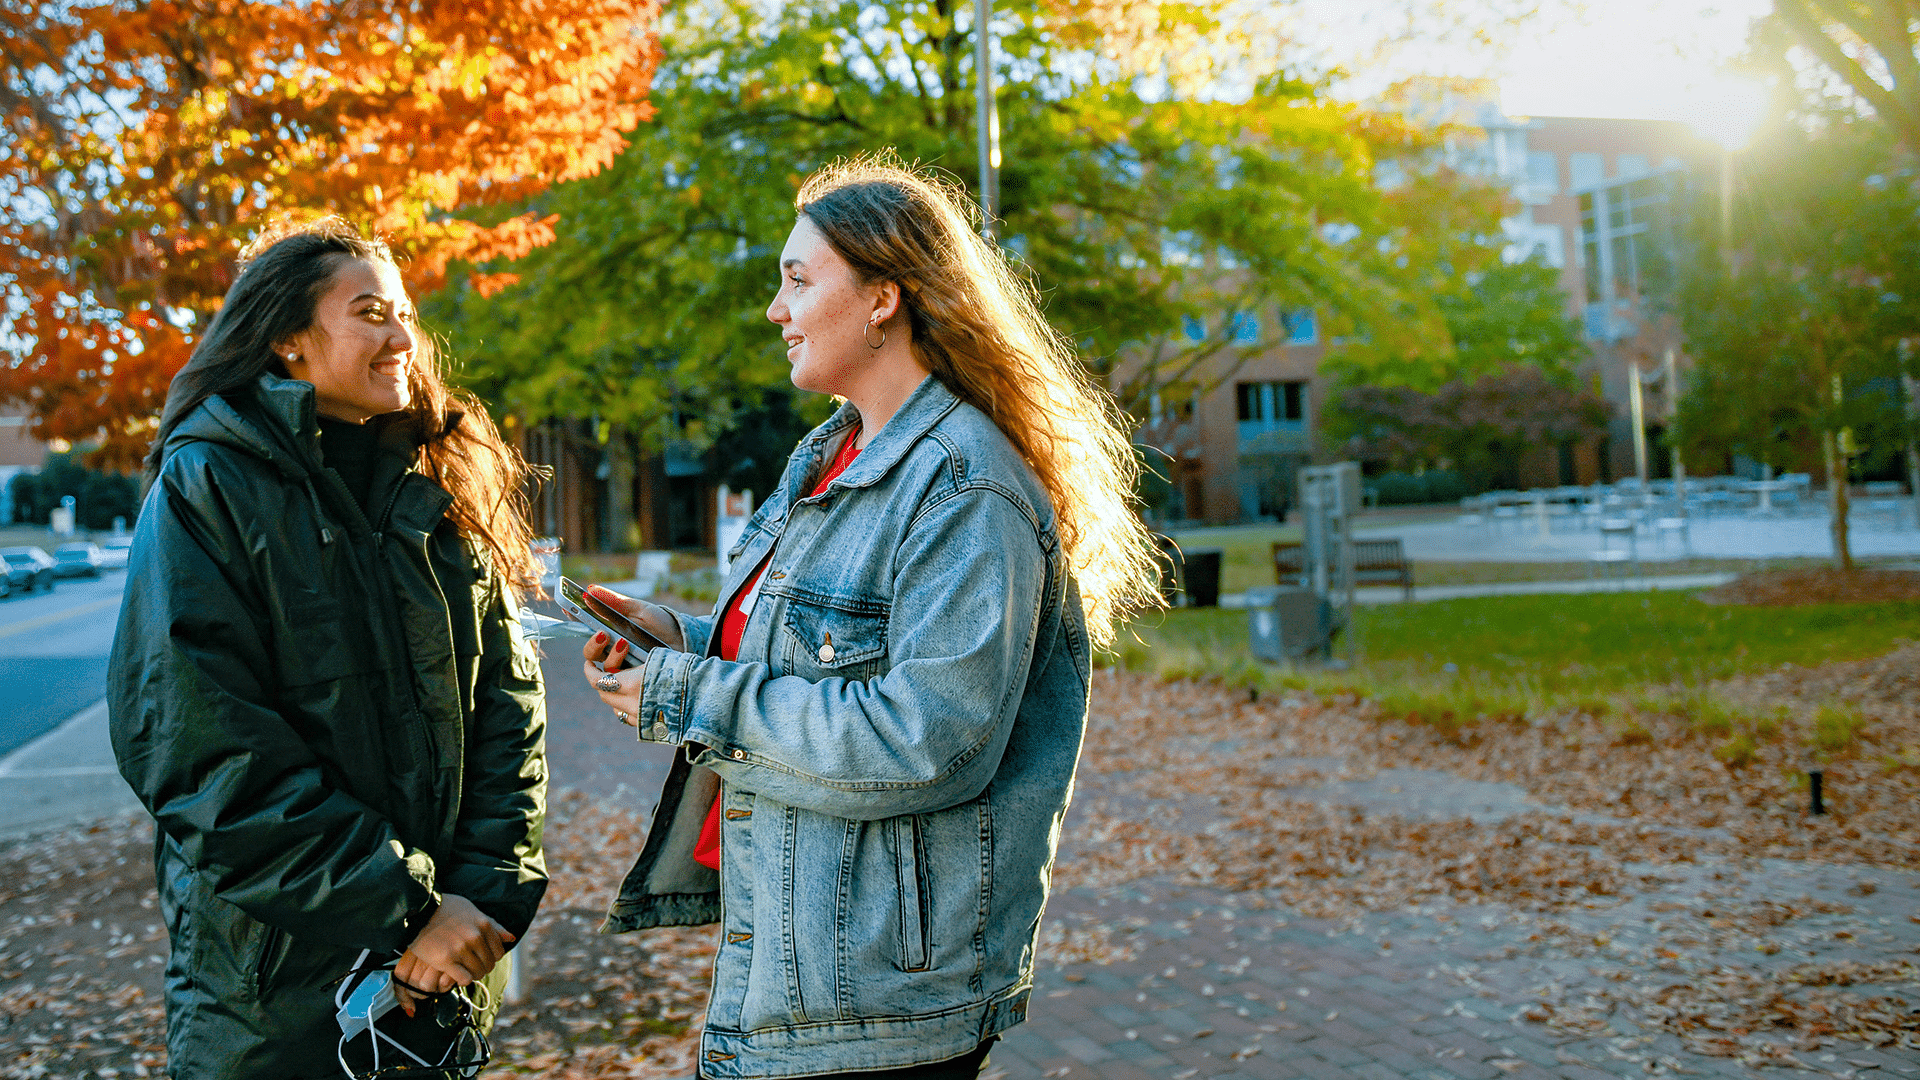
65, 775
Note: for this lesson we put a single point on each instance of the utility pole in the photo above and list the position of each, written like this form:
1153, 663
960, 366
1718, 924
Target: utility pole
1637, 407
988, 119
1673, 436
1912, 387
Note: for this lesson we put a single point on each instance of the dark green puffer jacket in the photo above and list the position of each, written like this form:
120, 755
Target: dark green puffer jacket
333, 721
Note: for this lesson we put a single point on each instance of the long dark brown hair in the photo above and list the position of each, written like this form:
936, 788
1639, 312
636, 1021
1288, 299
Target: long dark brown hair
977, 327
283, 275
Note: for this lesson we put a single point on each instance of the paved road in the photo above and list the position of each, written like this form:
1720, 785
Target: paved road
53, 651
55, 762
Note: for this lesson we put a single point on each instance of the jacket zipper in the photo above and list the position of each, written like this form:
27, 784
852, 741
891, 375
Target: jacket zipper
269, 942
396, 630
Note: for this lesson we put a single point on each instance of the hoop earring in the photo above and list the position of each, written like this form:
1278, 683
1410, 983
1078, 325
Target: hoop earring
869, 334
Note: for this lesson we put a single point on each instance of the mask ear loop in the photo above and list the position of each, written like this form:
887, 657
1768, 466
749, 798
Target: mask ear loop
468, 1008
356, 978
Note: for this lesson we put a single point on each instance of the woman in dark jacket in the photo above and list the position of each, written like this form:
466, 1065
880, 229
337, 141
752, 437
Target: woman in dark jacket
319, 688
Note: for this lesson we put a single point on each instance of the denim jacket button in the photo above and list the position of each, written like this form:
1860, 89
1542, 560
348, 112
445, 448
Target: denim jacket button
739, 755
826, 654
660, 732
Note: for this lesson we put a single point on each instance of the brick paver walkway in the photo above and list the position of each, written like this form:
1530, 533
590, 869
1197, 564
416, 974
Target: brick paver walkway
1232, 985
1221, 989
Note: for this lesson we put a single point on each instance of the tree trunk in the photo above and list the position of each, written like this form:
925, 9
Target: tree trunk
623, 529
1837, 499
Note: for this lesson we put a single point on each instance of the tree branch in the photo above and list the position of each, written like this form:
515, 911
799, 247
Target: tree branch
1799, 17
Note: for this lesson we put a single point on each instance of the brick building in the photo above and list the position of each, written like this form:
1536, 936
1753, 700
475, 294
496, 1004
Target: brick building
1579, 184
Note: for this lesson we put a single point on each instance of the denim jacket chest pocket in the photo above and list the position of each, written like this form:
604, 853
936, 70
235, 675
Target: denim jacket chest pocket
826, 638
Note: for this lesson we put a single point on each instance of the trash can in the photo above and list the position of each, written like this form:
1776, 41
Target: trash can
1202, 577
1287, 622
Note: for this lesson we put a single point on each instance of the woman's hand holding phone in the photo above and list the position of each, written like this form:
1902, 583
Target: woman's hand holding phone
606, 655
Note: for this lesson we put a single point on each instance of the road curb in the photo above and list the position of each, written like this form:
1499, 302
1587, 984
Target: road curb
63, 777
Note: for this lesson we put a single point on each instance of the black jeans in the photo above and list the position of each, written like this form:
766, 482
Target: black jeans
965, 1067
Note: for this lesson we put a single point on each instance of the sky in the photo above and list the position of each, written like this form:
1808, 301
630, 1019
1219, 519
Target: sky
1635, 59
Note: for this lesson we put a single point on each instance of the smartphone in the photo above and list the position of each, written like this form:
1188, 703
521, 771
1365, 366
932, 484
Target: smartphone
576, 602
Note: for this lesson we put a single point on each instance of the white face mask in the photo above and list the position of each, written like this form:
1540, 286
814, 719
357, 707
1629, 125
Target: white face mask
458, 1047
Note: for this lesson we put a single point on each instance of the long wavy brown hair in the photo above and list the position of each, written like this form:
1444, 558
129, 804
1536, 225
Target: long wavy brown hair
976, 325
283, 274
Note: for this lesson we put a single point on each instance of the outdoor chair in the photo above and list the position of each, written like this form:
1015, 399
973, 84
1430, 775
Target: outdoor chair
1611, 560
1673, 527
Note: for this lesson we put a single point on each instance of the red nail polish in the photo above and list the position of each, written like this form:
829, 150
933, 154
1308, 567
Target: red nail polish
599, 639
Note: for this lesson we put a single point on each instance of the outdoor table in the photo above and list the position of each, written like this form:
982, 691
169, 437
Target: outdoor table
1766, 488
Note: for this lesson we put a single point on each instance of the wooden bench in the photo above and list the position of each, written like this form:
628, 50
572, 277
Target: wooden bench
1375, 562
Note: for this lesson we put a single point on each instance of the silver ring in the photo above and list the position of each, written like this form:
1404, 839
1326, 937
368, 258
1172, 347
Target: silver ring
607, 684
623, 718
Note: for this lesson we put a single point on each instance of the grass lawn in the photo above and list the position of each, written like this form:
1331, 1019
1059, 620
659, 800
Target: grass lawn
1516, 653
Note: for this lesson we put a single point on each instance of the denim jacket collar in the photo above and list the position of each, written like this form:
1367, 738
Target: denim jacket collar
929, 402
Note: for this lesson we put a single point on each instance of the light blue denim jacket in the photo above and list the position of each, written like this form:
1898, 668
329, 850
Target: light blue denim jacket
897, 743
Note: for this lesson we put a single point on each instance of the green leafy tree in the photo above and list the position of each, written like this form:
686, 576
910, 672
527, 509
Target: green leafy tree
1505, 386
1140, 206
99, 497
1794, 315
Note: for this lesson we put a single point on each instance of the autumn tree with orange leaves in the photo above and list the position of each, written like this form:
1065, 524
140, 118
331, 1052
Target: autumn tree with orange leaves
144, 142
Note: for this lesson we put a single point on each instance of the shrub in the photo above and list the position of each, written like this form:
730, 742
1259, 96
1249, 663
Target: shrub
99, 497
1402, 489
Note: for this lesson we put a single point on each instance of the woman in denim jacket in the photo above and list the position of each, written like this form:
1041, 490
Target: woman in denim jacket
880, 721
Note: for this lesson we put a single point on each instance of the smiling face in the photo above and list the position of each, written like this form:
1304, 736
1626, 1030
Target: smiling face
823, 313
358, 351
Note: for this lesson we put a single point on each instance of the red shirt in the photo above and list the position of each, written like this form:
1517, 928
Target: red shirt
706, 850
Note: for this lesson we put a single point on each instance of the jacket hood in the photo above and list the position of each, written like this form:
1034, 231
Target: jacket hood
276, 423
279, 423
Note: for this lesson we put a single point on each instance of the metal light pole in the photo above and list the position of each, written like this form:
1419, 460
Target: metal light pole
1673, 436
1638, 411
1912, 388
988, 119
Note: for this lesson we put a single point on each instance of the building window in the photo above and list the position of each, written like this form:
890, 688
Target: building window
1300, 326
1246, 328
1543, 172
1629, 166
1195, 329
1627, 241
1585, 170
1272, 401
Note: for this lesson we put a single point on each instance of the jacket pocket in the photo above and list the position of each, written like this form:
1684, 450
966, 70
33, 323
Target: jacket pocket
266, 962
835, 639
909, 848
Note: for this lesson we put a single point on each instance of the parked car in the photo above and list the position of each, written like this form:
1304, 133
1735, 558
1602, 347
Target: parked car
76, 560
114, 551
28, 568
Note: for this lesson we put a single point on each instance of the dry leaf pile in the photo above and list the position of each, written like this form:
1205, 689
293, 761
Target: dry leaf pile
1657, 777
82, 952
1787, 588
